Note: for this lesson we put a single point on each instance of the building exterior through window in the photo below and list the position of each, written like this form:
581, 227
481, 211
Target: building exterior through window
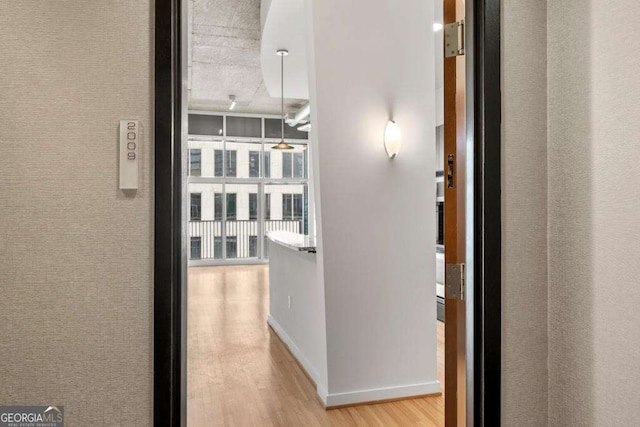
240, 188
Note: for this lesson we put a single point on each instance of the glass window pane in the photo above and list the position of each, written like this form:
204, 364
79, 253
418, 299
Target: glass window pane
218, 162
205, 207
297, 206
254, 164
231, 206
232, 247
253, 206
253, 246
267, 206
205, 124
205, 158
231, 163
217, 247
287, 165
217, 207
196, 206
273, 129
267, 164
286, 207
196, 248
245, 160
243, 223
298, 165
195, 162
248, 127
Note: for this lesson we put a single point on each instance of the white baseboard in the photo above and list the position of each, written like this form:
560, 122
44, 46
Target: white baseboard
353, 397
381, 394
293, 348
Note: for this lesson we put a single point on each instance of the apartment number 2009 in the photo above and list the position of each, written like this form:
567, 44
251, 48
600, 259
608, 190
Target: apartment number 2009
132, 139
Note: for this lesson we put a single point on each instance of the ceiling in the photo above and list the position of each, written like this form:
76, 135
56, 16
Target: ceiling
224, 58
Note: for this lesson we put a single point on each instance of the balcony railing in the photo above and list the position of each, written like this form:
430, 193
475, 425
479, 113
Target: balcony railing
242, 241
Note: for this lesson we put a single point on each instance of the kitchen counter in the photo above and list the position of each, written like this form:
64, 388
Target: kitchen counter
295, 241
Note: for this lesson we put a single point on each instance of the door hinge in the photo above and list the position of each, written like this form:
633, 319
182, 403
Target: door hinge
454, 39
454, 281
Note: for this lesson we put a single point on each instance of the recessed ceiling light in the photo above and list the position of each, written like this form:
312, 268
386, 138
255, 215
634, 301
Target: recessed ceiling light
437, 26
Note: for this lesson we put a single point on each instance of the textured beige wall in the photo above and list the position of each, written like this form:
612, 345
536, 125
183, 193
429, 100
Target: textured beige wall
524, 214
75, 253
594, 212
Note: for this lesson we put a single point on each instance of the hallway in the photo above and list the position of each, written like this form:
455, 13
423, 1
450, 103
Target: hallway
240, 373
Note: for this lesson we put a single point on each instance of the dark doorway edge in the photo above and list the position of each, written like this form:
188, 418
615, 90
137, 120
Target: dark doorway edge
167, 320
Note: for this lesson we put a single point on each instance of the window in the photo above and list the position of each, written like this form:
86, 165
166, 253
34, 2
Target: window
196, 247
232, 247
195, 162
204, 124
297, 206
286, 165
217, 159
196, 206
217, 247
231, 163
253, 206
273, 129
231, 206
291, 207
253, 246
248, 127
298, 165
267, 164
254, 164
217, 206
235, 196
287, 206
267, 206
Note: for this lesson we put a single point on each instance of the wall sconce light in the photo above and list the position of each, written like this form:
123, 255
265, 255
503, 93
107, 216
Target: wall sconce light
392, 139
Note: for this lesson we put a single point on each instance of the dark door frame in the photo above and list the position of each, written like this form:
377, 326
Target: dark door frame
169, 285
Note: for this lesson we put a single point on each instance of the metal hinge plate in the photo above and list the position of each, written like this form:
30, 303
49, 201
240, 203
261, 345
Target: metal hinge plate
454, 281
454, 39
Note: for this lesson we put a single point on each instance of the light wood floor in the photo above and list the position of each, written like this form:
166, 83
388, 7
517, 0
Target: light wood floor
240, 373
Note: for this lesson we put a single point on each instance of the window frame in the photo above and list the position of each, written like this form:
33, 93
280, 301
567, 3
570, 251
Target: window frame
191, 156
218, 154
228, 205
230, 155
252, 154
253, 207
191, 199
192, 240
230, 151
287, 163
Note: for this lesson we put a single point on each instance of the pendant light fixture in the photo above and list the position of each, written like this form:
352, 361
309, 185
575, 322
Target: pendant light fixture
282, 145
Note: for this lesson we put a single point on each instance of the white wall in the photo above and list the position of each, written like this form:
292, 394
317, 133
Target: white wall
594, 213
375, 217
75, 253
